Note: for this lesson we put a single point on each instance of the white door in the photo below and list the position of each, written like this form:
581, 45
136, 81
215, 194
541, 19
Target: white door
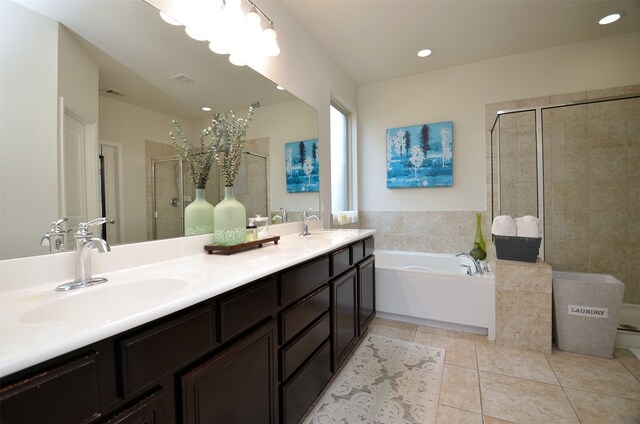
111, 189
74, 172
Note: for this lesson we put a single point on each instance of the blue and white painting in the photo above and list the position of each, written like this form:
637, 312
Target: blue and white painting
420, 156
301, 166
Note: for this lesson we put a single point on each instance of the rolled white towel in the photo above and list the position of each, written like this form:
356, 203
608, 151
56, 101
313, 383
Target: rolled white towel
503, 225
528, 226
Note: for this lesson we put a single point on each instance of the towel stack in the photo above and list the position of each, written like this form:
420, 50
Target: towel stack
527, 226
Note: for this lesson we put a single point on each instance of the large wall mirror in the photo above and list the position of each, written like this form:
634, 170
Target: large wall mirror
88, 93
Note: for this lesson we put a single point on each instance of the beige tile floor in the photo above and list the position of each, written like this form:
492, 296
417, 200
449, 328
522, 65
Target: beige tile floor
486, 383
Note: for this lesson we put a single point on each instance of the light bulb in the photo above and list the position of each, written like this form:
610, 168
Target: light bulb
235, 59
216, 47
270, 43
191, 33
253, 18
168, 19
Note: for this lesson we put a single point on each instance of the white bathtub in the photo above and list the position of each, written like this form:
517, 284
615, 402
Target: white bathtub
433, 289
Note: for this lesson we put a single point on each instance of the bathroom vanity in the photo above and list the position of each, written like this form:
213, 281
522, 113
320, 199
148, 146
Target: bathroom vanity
258, 352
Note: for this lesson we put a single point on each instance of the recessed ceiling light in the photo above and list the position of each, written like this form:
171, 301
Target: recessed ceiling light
206, 108
424, 53
609, 19
280, 88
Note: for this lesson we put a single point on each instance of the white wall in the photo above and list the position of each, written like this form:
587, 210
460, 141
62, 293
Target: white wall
459, 94
306, 71
28, 129
77, 78
132, 126
284, 123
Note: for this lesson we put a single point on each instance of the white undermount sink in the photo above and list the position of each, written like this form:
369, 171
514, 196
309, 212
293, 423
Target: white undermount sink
103, 300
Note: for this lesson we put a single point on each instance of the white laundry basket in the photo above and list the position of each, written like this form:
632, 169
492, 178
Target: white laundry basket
586, 309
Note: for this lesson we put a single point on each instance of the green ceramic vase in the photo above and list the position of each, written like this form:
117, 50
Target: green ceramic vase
198, 216
230, 220
479, 250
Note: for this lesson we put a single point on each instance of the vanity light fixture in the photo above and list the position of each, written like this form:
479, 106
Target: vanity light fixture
424, 53
609, 19
225, 26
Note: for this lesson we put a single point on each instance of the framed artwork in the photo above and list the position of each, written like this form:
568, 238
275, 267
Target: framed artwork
420, 156
301, 166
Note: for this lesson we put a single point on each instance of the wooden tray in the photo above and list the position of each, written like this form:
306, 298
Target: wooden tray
227, 250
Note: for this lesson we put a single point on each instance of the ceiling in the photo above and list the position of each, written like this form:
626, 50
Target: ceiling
377, 40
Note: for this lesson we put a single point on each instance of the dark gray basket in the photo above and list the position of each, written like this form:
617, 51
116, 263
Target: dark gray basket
512, 248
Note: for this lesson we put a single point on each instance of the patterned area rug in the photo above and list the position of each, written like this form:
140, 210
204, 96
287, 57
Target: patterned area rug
385, 381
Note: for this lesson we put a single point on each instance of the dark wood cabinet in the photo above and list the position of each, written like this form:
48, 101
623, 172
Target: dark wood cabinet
366, 293
238, 385
261, 353
148, 410
302, 279
344, 315
151, 354
247, 307
68, 393
299, 392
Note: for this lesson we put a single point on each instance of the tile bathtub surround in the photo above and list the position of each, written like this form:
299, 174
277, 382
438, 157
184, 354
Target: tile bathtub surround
500, 385
425, 231
524, 305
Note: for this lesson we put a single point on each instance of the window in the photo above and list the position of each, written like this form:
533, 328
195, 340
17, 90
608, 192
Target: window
340, 159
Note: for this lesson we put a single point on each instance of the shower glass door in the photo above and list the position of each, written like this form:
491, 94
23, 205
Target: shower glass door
168, 198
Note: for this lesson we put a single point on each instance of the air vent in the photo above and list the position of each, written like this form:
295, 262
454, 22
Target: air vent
112, 92
186, 79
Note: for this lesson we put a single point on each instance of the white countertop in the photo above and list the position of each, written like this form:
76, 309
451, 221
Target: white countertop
33, 327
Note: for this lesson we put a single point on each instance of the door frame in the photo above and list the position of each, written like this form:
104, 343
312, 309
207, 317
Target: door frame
119, 148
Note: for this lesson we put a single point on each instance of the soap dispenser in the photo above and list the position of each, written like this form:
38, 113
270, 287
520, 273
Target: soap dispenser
252, 231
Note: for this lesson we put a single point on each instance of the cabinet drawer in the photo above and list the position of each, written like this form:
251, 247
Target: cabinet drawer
369, 246
300, 349
340, 261
357, 251
69, 393
300, 392
303, 313
149, 410
301, 280
154, 353
245, 308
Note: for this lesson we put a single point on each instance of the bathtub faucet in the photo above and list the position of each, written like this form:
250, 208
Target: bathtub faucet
476, 263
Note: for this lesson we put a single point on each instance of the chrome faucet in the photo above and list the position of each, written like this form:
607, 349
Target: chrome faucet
282, 216
476, 263
56, 237
85, 242
305, 221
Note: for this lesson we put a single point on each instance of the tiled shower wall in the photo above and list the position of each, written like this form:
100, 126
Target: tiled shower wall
592, 190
